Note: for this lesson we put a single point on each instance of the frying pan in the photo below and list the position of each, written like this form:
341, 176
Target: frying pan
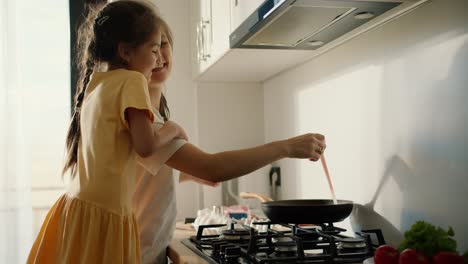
302, 211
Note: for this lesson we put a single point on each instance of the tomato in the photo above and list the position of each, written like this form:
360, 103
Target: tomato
411, 256
386, 254
444, 257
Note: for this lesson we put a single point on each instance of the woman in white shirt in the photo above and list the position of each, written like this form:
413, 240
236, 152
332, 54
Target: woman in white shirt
154, 199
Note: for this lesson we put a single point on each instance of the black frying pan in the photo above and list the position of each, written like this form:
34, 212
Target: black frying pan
307, 211
303, 211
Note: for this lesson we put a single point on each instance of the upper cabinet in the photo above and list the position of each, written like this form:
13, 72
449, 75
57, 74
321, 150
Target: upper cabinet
241, 9
221, 27
210, 29
267, 21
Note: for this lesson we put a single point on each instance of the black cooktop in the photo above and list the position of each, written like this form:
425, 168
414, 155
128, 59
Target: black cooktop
323, 243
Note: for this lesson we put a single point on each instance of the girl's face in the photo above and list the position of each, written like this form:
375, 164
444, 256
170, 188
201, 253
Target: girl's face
144, 57
164, 65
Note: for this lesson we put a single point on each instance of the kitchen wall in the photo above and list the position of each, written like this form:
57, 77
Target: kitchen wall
230, 117
181, 92
392, 104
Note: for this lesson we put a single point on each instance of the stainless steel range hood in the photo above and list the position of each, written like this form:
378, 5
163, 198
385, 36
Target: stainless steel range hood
304, 24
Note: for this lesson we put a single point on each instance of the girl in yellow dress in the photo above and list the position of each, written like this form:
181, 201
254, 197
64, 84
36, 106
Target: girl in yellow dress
112, 123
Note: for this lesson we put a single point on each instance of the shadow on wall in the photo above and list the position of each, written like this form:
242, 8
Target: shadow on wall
439, 153
432, 171
434, 188
365, 217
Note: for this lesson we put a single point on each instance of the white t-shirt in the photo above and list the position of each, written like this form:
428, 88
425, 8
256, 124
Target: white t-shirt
154, 201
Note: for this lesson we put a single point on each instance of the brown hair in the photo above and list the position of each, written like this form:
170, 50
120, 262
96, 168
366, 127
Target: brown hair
103, 29
163, 106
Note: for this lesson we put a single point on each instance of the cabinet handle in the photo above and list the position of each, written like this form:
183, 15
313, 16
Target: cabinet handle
208, 26
203, 44
200, 42
205, 34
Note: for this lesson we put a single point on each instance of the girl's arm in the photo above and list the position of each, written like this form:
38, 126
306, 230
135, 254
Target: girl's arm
145, 139
227, 165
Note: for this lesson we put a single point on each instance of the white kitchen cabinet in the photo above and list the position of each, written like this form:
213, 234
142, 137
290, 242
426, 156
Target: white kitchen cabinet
199, 29
223, 64
210, 28
241, 9
220, 15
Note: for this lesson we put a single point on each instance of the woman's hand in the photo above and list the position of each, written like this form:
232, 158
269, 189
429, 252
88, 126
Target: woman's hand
307, 146
180, 131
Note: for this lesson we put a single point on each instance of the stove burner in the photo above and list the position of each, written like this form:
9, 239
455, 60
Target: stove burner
284, 244
349, 243
293, 244
235, 234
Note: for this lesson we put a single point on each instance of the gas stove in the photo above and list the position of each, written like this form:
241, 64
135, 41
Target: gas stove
323, 243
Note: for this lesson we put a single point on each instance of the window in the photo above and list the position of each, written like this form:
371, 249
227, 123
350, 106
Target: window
34, 117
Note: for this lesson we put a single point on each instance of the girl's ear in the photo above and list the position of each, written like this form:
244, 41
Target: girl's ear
124, 51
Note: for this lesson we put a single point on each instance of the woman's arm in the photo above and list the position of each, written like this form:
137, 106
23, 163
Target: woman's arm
228, 165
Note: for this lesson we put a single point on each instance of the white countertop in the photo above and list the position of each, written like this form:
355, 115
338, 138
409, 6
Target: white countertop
178, 252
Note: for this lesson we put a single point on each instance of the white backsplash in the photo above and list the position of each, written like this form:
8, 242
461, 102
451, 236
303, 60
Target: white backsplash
392, 104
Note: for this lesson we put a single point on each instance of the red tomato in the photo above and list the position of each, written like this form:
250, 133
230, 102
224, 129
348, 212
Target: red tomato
444, 257
411, 256
386, 254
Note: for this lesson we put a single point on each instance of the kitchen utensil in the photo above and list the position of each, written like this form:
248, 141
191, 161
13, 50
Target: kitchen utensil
303, 211
252, 195
330, 185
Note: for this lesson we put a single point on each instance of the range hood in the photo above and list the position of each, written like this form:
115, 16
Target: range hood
294, 31
304, 24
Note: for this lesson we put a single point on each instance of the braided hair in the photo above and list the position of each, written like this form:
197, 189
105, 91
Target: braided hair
105, 26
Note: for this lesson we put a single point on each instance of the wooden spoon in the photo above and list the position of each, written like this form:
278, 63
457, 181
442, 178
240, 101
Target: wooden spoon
251, 195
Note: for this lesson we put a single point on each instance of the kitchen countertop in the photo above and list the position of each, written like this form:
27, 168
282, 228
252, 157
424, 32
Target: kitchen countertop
178, 252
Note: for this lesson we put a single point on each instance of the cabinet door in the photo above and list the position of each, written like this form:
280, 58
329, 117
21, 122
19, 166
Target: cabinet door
241, 9
210, 28
199, 30
220, 28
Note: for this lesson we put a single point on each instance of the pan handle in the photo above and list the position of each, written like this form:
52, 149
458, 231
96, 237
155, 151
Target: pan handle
274, 185
251, 195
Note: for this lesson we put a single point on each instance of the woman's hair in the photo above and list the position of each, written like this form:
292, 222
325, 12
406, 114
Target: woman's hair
126, 21
163, 106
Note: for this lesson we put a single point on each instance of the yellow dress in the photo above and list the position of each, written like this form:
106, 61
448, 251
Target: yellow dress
93, 222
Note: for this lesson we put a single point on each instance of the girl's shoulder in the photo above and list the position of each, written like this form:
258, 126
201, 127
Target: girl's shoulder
119, 74
116, 83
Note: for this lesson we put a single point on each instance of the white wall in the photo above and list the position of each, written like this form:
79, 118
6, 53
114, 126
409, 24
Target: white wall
181, 91
392, 104
231, 117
